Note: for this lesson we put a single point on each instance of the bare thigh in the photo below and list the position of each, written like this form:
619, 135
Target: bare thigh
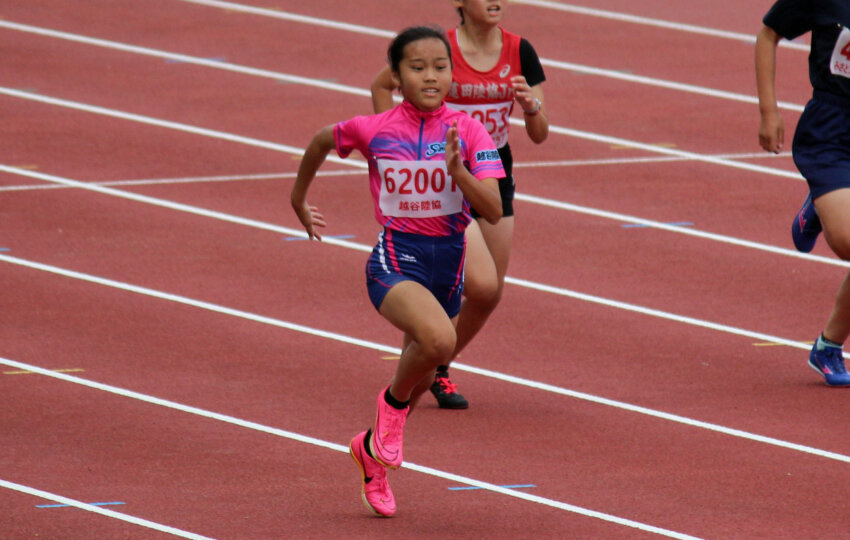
834, 213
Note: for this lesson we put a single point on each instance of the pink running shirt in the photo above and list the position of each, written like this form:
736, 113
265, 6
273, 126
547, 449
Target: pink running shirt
405, 148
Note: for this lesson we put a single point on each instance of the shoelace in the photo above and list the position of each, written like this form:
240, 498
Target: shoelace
834, 360
395, 426
447, 385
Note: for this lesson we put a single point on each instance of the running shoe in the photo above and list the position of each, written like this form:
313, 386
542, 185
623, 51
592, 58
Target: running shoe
387, 437
806, 226
446, 392
829, 362
376, 492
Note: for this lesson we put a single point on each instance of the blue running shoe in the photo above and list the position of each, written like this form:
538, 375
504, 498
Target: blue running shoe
806, 227
829, 362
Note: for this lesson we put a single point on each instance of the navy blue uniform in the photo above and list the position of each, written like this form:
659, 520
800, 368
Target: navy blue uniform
821, 146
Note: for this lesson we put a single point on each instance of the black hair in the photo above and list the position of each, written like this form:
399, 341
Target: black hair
460, 12
395, 52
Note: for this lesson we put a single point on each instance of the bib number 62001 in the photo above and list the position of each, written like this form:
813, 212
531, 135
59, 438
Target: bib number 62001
417, 189
419, 181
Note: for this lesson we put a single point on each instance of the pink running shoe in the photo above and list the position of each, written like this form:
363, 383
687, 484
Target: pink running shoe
376, 490
387, 436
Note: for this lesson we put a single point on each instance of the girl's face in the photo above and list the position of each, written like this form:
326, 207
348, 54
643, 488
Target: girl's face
424, 73
487, 12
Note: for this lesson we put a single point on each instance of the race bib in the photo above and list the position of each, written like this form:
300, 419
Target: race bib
839, 64
494, 116
418, 189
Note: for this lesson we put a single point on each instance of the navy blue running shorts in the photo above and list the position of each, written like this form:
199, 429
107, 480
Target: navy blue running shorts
821, 146
435, 262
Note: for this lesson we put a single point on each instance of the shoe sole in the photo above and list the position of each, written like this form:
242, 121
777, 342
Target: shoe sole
363, 484
444, 405
453, 407
814, 367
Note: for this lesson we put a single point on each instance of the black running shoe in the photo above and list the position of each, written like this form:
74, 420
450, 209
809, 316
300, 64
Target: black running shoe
446, 392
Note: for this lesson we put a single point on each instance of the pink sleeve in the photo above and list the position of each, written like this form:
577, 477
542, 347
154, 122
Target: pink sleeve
348, 136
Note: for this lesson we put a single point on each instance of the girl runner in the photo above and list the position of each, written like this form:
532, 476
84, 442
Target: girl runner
427, 164
493, 70
821, 147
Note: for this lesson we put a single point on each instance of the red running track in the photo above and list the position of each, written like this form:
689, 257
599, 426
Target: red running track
641, 381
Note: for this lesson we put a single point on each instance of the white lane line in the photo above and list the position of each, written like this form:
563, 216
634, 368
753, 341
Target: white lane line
182, 58
648, 21
227, 66
616, 141
569, 66
101, 187
358, 163
95, 509
357, 91
660, 83
605, 139
279, 175
172, 125
362, 164
184, 180
336, 447
634, 160
215, 308
162, 203
689, 231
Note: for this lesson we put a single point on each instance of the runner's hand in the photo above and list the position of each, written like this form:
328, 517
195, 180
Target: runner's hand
310, 218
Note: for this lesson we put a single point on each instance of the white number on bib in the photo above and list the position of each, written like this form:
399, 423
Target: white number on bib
839, 64
494, 116
418, 189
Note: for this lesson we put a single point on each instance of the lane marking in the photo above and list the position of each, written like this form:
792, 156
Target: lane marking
216, 59
69, 506
300, 238
579, 134
672, 223
368, 249
555, 64
647, 21
322, 444
215, 308
92, 508
660, 145
649, 159
362, 164
287, 175
680, 230
184, 180
768, 344
71, 370
609, 140
469, 488
177, 126
184, 58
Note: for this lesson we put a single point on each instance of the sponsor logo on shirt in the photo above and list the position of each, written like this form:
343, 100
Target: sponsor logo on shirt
436, 148
505, 70
487, 155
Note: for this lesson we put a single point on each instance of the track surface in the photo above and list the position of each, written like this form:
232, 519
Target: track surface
173, 348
